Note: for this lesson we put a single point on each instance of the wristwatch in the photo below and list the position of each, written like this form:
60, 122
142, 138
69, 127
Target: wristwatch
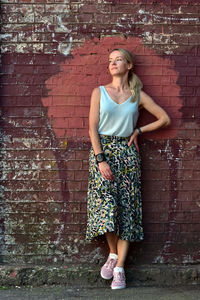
100, 157
139, 130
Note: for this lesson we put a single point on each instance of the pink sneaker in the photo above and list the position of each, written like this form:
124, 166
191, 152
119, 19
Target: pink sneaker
119, 280
108, 267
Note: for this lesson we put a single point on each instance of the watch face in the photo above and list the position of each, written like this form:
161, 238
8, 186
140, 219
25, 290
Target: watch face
100, 157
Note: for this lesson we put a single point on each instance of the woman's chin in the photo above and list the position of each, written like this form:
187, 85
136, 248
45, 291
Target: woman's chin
117, 73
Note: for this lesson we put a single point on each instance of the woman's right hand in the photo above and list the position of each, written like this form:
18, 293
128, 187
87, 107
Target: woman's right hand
105, 170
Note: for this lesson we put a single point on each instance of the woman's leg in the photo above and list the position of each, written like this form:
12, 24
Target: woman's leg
118, 246
119, 280
107, 269
122, 251
112, 240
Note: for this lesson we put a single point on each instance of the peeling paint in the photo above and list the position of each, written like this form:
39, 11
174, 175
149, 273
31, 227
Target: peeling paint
187, 259
65, 48
62, 26
171, 18
94, 256
62, 226
5, 36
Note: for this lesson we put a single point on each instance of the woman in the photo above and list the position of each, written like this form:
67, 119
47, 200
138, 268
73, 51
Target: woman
114, 193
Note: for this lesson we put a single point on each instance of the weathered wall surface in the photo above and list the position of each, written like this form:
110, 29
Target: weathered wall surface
54, 54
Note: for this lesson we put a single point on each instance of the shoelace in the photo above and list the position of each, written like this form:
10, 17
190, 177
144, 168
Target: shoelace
110, 264
118, 276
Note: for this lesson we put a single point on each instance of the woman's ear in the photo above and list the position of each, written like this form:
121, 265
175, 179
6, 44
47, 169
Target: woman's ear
130, 66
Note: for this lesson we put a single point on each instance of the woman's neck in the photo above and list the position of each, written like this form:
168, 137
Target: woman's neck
120, 83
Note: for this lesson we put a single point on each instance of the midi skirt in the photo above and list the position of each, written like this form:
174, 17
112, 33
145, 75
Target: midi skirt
115, 206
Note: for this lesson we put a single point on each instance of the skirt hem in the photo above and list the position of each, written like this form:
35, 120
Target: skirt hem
121, 238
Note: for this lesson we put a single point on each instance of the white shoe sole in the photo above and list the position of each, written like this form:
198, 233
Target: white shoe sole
107, 278
118, 287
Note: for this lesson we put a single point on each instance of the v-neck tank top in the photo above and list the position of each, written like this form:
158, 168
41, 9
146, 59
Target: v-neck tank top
117, 119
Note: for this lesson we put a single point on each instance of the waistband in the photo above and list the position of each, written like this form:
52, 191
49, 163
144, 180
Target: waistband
114, 138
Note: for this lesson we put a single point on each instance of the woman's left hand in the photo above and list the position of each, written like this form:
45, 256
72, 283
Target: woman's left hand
133, 139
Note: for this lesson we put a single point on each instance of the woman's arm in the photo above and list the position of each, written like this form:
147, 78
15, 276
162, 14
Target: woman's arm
94, 121
163, 119
93, 132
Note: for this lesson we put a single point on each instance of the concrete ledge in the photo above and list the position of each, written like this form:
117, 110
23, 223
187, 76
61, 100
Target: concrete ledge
87, 275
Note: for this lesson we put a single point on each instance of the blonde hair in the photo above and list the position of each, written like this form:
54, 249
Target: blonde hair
134, 82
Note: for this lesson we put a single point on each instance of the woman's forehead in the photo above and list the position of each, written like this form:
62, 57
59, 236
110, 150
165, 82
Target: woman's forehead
116, 54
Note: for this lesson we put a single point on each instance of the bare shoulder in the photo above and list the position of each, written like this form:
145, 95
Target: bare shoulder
96, 91
95, 96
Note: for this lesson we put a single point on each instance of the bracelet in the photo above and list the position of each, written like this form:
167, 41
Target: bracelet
139, 130
100, 157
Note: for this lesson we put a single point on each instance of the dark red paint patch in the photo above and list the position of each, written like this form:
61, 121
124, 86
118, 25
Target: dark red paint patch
69, 91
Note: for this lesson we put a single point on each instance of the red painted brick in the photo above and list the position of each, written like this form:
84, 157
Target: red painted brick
82, 133
74, 165
78, 196
154, 90
66, 111
154, 70
171, 91
74, 207
61, 122
154, 228
91, 8
181, 80
84, 185
193, 61
155, 80
22, 111
81, 111
85, 165
184, 217
80, 218
195, 217
193, 81
176, 29
82, 155
187, 91
190, 206
75, 122
194, 40
189, 228
81, 175
181, 40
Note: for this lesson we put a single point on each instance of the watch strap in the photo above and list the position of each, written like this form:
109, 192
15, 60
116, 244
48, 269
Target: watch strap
100, 157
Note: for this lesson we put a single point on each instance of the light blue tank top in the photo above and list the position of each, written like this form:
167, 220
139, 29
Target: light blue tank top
117, 119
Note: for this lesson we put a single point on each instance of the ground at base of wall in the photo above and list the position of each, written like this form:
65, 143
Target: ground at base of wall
89, 276
132, 293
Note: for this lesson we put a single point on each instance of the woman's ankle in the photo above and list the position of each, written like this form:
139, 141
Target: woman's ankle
113, 255
120, 265
118, 269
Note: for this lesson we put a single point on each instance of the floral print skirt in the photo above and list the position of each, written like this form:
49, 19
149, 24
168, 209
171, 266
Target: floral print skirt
115, 206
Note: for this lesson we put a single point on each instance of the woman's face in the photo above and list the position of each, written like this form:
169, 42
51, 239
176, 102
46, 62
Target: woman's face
118, 64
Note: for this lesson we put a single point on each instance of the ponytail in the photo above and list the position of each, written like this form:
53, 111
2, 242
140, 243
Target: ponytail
135, 85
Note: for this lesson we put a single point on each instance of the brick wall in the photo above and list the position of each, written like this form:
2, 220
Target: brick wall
53, 54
